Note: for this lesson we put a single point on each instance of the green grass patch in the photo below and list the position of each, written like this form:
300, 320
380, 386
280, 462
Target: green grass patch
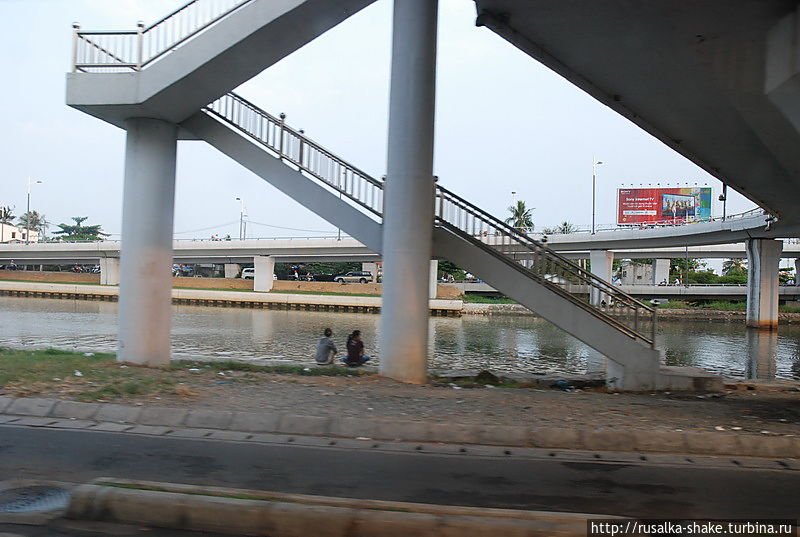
99, 378
724, 305
52, 281
785, 308
310, 371
675, 305
481, 299
324, 293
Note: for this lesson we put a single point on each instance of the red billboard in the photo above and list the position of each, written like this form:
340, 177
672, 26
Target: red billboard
663, 205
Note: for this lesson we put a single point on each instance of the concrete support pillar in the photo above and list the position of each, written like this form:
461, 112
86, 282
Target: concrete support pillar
408, 201
232, 270
109, 271
763, 257
660, 271
602, 263
264, 278
797, 271
372, 268
433, 281
148, 208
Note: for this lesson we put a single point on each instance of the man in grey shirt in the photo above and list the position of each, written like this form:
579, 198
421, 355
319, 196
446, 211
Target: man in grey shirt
326, 348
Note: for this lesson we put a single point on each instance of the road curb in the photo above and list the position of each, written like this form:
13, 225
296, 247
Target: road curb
252, 512
197, 423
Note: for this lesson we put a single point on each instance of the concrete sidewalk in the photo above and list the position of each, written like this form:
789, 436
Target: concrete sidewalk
247, 426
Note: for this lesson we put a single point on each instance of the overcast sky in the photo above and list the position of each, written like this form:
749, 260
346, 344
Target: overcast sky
503, 123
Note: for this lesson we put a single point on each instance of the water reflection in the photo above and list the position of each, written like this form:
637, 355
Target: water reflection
762, 346
501, 343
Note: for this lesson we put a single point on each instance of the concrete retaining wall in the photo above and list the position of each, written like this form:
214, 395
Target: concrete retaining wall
46, 276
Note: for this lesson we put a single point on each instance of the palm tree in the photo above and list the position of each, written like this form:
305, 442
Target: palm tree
6, 215
34, 221
734, 266
521, 217
564, 228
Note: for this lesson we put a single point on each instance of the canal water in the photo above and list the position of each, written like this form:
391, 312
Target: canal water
499, 343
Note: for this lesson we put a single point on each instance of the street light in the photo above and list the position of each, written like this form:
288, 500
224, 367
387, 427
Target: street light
242, 229
595, 164
28, 212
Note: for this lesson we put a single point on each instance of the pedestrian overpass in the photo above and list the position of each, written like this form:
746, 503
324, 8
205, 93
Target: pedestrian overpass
175, 80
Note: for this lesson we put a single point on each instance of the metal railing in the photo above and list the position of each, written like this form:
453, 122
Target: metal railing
120, 51
452, 212
584, 228
545, 266
293, 147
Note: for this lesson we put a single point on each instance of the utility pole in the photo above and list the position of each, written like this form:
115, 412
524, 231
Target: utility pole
28, 212
241, 218
595, 163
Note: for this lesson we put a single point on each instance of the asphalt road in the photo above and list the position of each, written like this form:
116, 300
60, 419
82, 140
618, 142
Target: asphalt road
629, 489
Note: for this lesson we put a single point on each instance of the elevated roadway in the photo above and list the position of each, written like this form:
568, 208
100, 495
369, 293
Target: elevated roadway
573, 246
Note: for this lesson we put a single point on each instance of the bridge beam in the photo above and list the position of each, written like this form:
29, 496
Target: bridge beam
148, 208
763, 257
602, 263
408, 200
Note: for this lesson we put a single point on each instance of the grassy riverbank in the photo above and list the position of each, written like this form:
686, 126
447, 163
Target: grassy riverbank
720, 305
99, 377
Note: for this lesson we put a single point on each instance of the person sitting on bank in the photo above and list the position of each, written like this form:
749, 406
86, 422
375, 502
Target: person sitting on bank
326, 348
355, 350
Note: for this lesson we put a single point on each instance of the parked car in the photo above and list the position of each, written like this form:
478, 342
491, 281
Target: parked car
355, 276
659, 301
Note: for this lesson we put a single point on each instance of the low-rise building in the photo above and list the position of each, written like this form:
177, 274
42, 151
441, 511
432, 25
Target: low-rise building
11, 233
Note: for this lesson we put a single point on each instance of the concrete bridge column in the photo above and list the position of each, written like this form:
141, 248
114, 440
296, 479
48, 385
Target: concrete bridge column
145, 302
372, 268
660, 271
408, 200
109, 271
265, 270
232, 270
797, 272
433, 281
763, 257
602, 262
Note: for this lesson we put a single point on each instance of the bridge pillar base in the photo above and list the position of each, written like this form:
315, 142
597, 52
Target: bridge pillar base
145, 302
409, 193
109, 271
763, 257
265, 269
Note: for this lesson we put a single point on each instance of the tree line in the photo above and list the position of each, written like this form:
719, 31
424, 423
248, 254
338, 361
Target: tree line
37, 222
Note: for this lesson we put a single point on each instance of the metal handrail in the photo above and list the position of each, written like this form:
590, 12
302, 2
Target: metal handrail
135, 49
545, 265
451, 211
293, 147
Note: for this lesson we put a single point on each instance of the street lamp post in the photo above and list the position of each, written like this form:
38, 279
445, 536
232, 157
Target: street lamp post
28, 212
241, 219
595, 163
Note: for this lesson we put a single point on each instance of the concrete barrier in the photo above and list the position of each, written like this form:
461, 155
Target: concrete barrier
274, 514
